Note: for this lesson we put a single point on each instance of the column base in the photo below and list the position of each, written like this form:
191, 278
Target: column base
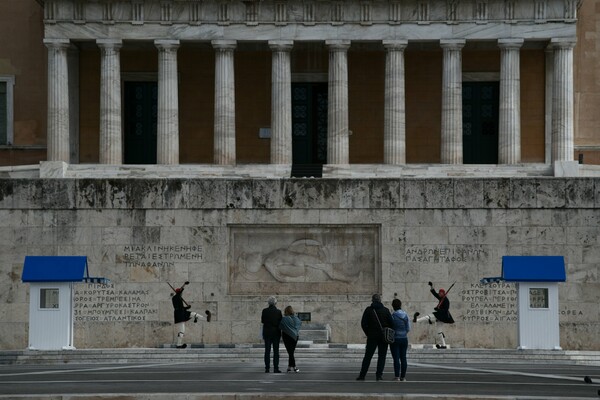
566, 169
53, 169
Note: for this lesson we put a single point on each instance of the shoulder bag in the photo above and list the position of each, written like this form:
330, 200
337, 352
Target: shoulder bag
388, 333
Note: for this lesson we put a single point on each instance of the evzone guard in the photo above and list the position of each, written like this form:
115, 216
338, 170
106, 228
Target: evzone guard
441, 312
182, 314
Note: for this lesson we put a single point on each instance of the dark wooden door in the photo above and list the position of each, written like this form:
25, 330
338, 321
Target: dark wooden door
480, 122
309, 123
140, 111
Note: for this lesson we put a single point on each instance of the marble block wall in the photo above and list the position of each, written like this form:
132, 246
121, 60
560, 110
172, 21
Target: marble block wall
323, 246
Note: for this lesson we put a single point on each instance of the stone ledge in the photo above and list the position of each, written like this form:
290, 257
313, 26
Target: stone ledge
359, 194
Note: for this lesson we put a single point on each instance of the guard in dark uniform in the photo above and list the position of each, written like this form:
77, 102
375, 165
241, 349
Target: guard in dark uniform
182, 314
441, 313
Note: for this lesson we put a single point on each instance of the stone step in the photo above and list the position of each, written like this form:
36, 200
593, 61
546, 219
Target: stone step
315, 333
308, 352
315, 336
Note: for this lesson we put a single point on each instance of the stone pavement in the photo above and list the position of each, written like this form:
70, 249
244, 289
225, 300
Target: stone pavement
307, 352
230, 372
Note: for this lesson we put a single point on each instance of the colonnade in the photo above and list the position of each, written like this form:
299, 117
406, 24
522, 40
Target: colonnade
509, 149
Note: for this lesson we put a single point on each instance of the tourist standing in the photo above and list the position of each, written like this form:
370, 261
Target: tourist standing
270, 318
374, 318
400, 345
290, 332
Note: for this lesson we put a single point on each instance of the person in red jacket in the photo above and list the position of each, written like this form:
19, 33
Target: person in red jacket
441, 313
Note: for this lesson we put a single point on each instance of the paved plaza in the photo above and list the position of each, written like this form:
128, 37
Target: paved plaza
317, 379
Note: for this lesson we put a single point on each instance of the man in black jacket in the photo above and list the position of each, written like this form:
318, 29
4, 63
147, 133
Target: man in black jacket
270, 318
374, 319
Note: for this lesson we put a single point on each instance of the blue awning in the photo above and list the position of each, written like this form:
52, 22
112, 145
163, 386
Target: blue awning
533, 269
57, 269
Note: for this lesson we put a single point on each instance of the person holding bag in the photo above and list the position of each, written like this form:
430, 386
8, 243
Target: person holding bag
374, 319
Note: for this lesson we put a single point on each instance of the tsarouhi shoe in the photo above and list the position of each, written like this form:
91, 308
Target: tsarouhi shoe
183, 346
415, 316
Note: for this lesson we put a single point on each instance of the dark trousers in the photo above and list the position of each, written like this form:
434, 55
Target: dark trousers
290, 345
274, 342
398, 350
382, 348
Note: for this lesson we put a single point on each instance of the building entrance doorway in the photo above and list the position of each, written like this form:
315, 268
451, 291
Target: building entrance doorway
480, 122
309, 123
140, 113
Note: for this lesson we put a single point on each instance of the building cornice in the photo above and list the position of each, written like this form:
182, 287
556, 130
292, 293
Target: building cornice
309, 12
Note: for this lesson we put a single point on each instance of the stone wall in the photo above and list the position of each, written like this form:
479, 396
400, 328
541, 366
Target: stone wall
347, 238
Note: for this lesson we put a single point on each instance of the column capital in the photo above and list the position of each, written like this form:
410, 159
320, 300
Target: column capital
223, 44
452, 44
511, 43
57, 43
398, 44
166, 44
338, 44
563, 43
109, 43
281, 45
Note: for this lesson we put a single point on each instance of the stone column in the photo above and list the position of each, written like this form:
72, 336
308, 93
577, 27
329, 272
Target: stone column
111, 148
509, 130
549, 82
337, 113
73, 66
224, 146
58, 100
562, 100
167, 134
452, 145
394, 129
281, 102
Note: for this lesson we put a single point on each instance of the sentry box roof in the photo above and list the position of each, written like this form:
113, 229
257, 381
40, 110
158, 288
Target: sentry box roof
531, 269
58, 269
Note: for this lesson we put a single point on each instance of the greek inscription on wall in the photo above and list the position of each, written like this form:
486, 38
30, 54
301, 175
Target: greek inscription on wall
495, 302
158, 255
111, 303
443, 254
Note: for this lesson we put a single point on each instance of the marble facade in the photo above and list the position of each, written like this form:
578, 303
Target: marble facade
451, 25
239, 233
390, 235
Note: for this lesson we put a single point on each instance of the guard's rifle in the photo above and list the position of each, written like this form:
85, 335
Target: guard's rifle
445, 294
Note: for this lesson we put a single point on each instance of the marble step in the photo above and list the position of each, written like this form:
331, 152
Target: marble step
311, 352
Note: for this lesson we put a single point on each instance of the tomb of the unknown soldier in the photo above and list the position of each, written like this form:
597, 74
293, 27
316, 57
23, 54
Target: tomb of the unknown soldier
322, 246
160, 154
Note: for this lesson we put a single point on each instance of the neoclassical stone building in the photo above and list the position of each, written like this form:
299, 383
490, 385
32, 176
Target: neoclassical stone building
340, 82
449, 133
